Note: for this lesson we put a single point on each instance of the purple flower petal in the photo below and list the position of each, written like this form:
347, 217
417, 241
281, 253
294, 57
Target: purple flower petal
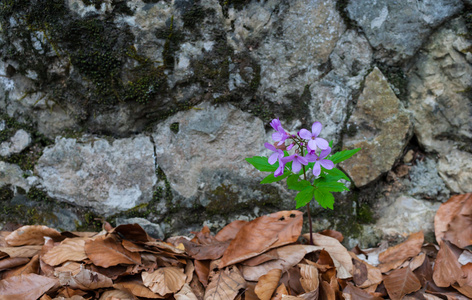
286, 159
290, 147
296, 166
277, 136
311, 157
327, 164
312, 144
270, 146
322, 143
305, 134
317, 168
279, 171
275, 123
325, 152
273, 158
316, 128
302, 160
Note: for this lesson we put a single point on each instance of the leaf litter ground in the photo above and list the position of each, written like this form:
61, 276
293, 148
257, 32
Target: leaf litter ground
267, 258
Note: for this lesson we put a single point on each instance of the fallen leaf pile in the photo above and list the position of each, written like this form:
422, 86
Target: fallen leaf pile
266, 259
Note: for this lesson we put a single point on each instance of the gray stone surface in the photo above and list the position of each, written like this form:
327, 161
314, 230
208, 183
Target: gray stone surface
440, 103
11, 174
424, 181
109, 177
379, 125
17, 143
397, 29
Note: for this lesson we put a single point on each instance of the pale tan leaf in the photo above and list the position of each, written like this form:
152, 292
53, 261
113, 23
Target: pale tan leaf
452, 220
350, 292
12, 262
189, 269
69, 267
267, 284
25, 287
289, 256
279, 292
185, 293
106, 251
249, 292
447, 269
31, 235
85, 280
225, 285
165, 280
409, 248
401, 282
69, 249
230, 231
261, 258
313, 295
391, 265
23, 251
365, 274
137, 288
262, 234
31, 267
337, 251
417, 261
117, 295
309, 277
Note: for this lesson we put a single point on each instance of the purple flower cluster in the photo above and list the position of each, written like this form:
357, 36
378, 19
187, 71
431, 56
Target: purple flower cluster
316, 149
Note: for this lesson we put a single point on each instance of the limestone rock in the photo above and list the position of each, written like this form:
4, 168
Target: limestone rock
109, 177
407, 215
13, 175
440, 103
424, 181
379, 125
16, 144
398, 28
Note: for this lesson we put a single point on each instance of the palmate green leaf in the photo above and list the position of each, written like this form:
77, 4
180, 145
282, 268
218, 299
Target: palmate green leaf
332, 186
324, 198
262, 163
271, 178
334, 174
304, 196
343, 155
294, 184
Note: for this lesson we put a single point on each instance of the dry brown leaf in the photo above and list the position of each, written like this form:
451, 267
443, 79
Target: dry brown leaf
262, 234
132, 232
365, 274
106, 251
165, 280
225, 285
69, 267
23, 251
261, 258
350, 292
279, 292
117, 295
31, 267
326, 291
185, 293
12, 262
32, 235
206, 251
67, 250
249, 293
189, 269
453, 221
202, 268
417, 261
309, 277
85, 280
391, 265
332, 233
409, 248
25, 287
313, 295
137, 288
289, 256
339, 254
230, 231
447, 269
424, 272
267, 284
401, 282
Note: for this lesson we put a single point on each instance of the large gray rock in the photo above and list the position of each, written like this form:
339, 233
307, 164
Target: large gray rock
11, 174
379, 125
109, 177
17, 143
439, 100
397, 29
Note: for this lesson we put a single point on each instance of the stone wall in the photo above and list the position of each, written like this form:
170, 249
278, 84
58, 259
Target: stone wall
144, 110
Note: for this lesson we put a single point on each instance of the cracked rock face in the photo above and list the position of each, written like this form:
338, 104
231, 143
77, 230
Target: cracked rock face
109, 177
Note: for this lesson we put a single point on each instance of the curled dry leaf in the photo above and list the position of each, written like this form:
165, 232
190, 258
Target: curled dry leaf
309, 277
262, 234
267, 284
117, 295
225, 285
409, 248
365, 274
24, 251
417, 261
207, 251
31, 267
289, 256
447, 269
350, 292
333, 233
137, 288
25, 287
261, 258
202, 268
165, 280
327, 292
85, 280
401, 282
12, 262
453, 221
32, 235
68, 249
342, 259
132, 232
230, 231
279, 292
185, 293
106, 251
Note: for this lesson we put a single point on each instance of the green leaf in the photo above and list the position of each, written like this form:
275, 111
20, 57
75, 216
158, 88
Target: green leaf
331, 143
262, 163
294, 184
332, 186
335, 174
304, 197
343, 155
271, 178
324, 198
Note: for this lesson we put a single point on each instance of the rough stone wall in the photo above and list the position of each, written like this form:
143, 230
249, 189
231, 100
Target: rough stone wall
145, 110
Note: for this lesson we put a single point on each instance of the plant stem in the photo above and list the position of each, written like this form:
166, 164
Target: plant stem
309, 222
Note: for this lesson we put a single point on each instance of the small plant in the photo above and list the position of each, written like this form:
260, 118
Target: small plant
310, 152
